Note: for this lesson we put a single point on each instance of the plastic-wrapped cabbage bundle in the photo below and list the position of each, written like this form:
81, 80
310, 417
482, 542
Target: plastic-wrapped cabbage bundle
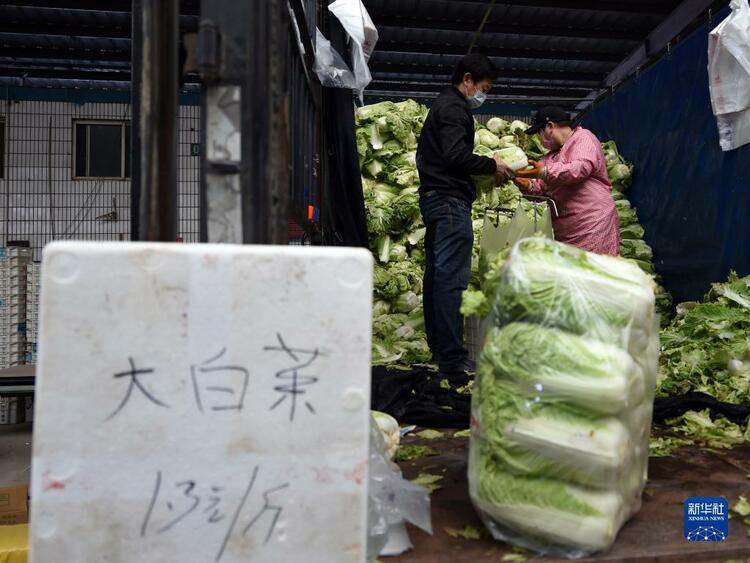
598, 296
562, 404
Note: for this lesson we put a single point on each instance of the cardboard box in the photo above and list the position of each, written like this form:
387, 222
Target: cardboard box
14, 505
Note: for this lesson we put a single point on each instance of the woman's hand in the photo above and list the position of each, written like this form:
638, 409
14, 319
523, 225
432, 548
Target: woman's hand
536, 170
524, 184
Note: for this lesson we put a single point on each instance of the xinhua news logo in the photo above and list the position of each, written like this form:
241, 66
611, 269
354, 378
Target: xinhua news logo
706, 519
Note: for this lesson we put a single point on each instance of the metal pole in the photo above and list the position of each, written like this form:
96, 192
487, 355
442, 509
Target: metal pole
49, 180
265, 151
255, 120
243, 60
136, 56
203, 211
158, 121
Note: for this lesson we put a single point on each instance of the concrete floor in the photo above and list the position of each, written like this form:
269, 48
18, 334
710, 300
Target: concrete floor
654, 535
15, 454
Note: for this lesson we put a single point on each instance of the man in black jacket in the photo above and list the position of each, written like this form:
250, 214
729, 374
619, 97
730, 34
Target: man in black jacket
446, 161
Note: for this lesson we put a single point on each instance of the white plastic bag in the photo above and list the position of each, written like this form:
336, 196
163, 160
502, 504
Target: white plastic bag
330, 66
729, 76
357, 22
393, 501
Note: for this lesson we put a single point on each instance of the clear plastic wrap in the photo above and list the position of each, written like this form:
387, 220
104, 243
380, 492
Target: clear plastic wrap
392, 501
329, 65
562, 405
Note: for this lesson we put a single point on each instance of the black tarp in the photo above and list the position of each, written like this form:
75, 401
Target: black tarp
420, 397
417, 397
343, 198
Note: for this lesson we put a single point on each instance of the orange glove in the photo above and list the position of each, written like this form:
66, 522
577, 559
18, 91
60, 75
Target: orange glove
524, 184
534, 172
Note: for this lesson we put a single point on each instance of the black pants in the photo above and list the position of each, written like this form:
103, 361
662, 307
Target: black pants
447, 271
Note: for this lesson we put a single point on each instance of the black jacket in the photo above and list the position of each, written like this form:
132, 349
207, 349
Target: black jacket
445, 157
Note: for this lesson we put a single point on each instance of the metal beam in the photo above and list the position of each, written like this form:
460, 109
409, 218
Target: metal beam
243, 53
47, 21
31, 52
418, 21
41, 28
264, 143
551, 100
646, 7
497, 51
499, 85
430, 71
94, 66
14, 81
135, 109
583, 85
19, 40
659, 39
577, 93
507, 68
32, 72
88, 5
72, 74
386, 45
187, 7
504, 81
509, 39
78, 30
158, 121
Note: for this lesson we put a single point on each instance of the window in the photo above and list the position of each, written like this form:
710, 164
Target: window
101, 149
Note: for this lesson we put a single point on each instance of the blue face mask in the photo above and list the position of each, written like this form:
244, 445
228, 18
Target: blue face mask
476, 100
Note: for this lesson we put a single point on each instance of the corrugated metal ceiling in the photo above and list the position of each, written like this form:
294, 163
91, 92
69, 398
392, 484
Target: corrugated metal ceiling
547, 50
73, 43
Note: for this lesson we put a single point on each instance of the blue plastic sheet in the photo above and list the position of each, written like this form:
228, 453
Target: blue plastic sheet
692, 199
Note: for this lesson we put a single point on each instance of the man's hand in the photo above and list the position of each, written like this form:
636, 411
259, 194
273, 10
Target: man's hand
536, 170
503, 172
524, 184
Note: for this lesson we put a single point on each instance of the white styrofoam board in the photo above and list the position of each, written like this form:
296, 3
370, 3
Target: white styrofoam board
172, 308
